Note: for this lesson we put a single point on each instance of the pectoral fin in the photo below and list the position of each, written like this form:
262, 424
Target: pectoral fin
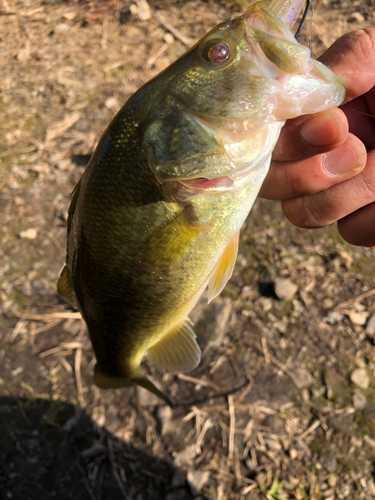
223, 269
170, 242
107, 382
178, 351
64, 287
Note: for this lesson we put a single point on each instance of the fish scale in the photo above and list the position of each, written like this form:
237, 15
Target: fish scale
156, 216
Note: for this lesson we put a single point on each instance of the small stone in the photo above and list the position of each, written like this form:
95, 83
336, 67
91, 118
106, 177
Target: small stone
273, 444
302, 378
333, 317
285, 289
291, 483
185, 456
360, 378
329, 494
359, 401
281, 326
370, 328
370, 441
356, 17
28, 234
371, 487
355, 441
24, 53
328, 303
144, 10
328, 463
293, 453
343, 492
358, 318
168, 38
61, 28
112, 103
165, 414
197, 480
332, 481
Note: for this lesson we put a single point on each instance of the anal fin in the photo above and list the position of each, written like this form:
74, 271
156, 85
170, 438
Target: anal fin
223, 269
178, 350
64, 287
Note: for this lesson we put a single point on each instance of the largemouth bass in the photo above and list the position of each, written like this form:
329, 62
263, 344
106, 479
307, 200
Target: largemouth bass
156, 216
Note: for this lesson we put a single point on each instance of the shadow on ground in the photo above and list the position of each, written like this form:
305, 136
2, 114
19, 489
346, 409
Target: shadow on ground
51, 449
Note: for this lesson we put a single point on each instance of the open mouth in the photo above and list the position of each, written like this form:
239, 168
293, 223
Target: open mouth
203, 183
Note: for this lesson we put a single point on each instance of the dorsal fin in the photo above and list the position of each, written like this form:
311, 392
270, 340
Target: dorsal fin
177, 351
73, 203
223, 269
64, 287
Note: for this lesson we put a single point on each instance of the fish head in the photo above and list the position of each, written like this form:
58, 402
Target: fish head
224, 102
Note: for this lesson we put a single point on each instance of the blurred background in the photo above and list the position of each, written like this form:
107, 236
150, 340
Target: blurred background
282, 405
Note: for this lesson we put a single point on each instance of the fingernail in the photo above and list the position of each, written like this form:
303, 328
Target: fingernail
323, 130
349, 156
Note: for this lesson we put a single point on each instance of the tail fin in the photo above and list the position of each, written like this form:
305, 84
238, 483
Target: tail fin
106, 382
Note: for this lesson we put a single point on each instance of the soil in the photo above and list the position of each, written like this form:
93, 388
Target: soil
282, 405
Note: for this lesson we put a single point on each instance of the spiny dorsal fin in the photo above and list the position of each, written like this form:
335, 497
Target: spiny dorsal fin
177, 351
73, 203
64, 287
223, 269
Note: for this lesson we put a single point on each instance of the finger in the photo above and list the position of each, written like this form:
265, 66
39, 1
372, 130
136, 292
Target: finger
352, 58
287, 180
360, 114
358, 227
336, 202
310, 135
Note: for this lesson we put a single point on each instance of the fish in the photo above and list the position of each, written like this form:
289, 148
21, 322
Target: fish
156, 215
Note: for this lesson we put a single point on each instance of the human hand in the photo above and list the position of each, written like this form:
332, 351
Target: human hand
321, 172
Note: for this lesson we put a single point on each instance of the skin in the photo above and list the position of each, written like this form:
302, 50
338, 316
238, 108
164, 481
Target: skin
323, 167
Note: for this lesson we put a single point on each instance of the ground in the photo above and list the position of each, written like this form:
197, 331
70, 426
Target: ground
282, 405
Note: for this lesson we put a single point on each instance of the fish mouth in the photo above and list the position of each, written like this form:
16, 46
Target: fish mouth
202, 183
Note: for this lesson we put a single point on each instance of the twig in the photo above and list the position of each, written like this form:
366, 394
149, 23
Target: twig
310, 429
77, 371
114, 468
207, 425
62, 347
232, 427
244, 393
356, 299
86, 482
205, 383
173, 30
158, 53
265, 350
282, 367
47, 316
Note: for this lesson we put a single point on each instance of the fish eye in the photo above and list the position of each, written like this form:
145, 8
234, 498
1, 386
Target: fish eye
219, 52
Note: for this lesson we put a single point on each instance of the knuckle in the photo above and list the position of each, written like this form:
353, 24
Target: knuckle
361, 42
368, 184
305, 213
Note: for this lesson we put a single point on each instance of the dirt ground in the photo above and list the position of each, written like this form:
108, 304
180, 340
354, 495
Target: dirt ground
282, 405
